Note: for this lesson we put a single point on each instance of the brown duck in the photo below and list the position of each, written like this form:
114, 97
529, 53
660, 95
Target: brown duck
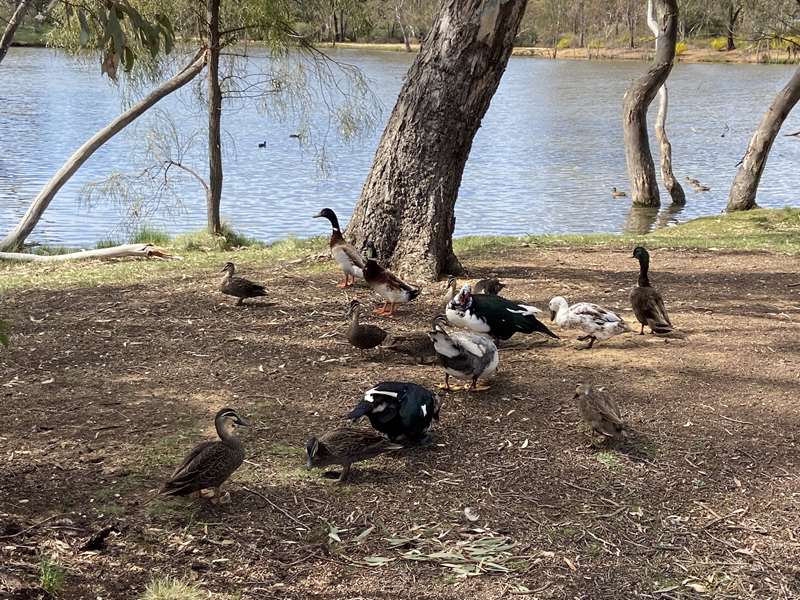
345, 446
239, 287
359, 335
345, 255
387, 285
599, 411
647, 303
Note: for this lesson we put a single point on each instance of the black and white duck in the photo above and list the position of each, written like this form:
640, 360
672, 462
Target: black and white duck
647, 303
239, 287
391, 288
600, 412
494, 315
345, 255
210, 464
399, 410
464, 355
344, 446
362, 336
596, 322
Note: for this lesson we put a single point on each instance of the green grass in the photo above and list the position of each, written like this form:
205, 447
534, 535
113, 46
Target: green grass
168, 588
609, 459
202, 240
51, 576
150, 235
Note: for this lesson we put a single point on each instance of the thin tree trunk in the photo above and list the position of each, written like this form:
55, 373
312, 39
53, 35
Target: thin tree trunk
733, 15
17, 237
214, 197
406, 41
745, 185
407, 203
641, 170
11, 27
667, 176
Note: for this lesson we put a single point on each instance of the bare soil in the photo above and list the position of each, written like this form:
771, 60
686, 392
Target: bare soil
104, 389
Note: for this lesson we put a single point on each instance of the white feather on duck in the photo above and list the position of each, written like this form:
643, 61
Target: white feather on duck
464, 355
596, 322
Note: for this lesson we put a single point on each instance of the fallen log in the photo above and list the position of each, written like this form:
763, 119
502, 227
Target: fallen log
136, 250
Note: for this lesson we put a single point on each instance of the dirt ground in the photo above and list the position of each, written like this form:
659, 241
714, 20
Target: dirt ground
104, 389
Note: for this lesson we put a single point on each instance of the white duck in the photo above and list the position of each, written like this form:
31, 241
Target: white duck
596, 322
464, 355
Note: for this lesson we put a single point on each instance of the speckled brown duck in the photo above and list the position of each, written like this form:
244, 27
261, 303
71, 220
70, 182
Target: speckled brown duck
600, 412
344, 446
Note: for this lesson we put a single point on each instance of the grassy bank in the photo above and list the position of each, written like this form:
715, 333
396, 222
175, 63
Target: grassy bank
773, 230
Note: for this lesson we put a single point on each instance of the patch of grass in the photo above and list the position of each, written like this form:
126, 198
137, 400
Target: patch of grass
150, 235
51, 576
681, 48
609, 459
167, 588
718, 43
47, 250
203, 240
106, 244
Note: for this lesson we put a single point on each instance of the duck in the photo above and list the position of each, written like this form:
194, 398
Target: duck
344, 446
696, 185
617, 193
491, 286
599, 411
239, 287
387, 285
464, 355
362, 336
210, 464
399, 410
450, 290
417, 345
596, 322
345, 255
495, 315
647, 303
262, 144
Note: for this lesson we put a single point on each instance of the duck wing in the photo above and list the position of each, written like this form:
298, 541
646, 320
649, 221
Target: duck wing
648, 306
506, 318
207, 465
353, 254
245, 287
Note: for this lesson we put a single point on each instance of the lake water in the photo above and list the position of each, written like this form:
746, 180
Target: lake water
544, 160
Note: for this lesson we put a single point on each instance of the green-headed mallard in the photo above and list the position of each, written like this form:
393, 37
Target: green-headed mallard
495, 315
599, 411
345, 446
464, 355
239, 287
387, 285
596, 322
398, 409
647, 303
617, 193
210, 464
362, 336
345, 255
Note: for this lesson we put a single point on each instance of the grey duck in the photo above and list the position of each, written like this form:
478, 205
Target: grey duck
399, 409
361, 336
647, 303
239, 287
599, 411
491, 286
345, 446
464, 355
210, 464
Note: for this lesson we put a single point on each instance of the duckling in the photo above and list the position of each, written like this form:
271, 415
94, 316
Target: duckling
210, 464
345, 446
464, 355
596, 322
491, 286
617, 193
239, 287
386, 284
399, 410
647, 303
599, 411
361, 336
345, 255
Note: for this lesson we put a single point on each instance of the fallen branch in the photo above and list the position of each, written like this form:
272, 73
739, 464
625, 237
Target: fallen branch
795, 134
137, 250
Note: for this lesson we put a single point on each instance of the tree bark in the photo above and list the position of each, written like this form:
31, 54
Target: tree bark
11, 27
214, 197
138, 250
733, 15
745, 185
641, 170
667, 176
17, 237
408, 200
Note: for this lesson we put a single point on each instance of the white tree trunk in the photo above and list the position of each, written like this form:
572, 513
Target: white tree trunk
17, 237
138, 250
11, 28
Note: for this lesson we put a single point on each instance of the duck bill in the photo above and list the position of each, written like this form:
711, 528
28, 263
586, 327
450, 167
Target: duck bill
309, 464
552, 315
319, 215
243, 422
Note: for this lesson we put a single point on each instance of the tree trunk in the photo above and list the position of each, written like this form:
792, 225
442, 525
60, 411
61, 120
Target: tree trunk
733, 15
214, 198
641, 170
406, 41
17, 237
407, 203
11, 27
745, 184
138, 250
667, 176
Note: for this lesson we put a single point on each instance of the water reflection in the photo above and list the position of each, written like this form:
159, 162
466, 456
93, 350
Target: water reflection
640, 220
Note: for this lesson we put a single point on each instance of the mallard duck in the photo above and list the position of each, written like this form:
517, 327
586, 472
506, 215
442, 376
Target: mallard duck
596, 322
617, 193
210, 464
464, 355
345, 446
347, 257
399, 410
386, 284
450, 290
417, 345
361, 336
490, 287
495, 315
599, 411
647, 303
696, 185
239, 287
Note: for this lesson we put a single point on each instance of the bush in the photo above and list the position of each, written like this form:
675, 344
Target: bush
719, 43
681, 48
202, 240
150, 235
564, 42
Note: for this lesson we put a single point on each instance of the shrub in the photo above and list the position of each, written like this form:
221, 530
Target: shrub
150, 235
719, 43
51, 576
681, 48
564, 42
202, 240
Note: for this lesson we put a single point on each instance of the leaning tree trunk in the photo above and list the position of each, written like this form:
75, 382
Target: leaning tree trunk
11, 27
214, 196
407, 203
667, 176
641, 170
17, 237
745, 184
